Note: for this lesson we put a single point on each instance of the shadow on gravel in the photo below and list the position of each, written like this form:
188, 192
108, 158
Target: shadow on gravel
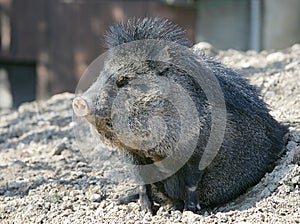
21, 188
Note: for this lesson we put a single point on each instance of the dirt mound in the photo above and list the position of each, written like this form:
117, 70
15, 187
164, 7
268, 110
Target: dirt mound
44, 177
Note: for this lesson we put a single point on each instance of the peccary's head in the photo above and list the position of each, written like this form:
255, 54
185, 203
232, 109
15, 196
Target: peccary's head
132, 104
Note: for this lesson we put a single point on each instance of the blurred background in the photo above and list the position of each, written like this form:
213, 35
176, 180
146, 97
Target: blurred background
45, 45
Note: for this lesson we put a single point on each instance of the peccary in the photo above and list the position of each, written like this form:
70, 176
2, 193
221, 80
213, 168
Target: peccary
252, 140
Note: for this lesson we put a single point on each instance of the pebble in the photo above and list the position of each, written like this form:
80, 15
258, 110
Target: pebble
96, 198
60, 147
277, 56
296, 158
296, 181
16, 184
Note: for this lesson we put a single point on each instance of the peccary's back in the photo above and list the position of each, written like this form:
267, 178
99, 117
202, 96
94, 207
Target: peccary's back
253, 141
251, 145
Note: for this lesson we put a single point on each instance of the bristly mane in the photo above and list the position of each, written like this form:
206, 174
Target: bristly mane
146, 28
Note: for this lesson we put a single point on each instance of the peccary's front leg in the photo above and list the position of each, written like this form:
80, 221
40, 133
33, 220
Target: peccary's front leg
191, 180
146, 200
129, 198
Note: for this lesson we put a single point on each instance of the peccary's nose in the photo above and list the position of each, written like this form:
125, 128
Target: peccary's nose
80, 107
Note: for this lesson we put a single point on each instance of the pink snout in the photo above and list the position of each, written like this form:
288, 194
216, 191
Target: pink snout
80, 107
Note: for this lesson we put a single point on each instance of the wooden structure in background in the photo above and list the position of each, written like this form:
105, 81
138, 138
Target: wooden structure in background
62, 37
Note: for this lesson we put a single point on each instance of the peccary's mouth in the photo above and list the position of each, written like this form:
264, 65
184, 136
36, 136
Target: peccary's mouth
103, 125
109, 137
104, 128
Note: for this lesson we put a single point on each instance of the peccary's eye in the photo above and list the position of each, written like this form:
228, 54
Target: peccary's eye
122, 81
163, 70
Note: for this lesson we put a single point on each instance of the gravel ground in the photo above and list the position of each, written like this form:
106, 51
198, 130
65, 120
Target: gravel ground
46, 176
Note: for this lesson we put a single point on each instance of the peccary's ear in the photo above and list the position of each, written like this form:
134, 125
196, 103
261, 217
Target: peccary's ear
162, 55
160, 60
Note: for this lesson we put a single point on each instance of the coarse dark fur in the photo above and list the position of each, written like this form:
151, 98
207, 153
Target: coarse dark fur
148, 28
253, 139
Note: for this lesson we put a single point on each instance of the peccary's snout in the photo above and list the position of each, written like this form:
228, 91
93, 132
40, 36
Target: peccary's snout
80, 107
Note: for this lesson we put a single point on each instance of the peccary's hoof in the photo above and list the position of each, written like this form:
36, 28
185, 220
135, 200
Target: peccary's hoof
192, 207
192, 201
147, 205
129, 198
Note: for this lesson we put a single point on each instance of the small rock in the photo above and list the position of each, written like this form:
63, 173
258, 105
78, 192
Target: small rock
296, 138
176, 213
30, 207
277, 56
147, 217
81, 164
222, 217
291, 145
99, 211
206, 48
296, 158
96, 198
206, 214
67, 221
270, 94
16, 184
292, 65
190, 217
296, 181
75, 193
161, 211
59, 148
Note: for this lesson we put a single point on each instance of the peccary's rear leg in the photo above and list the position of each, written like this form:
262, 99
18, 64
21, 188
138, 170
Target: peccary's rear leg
192, 178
